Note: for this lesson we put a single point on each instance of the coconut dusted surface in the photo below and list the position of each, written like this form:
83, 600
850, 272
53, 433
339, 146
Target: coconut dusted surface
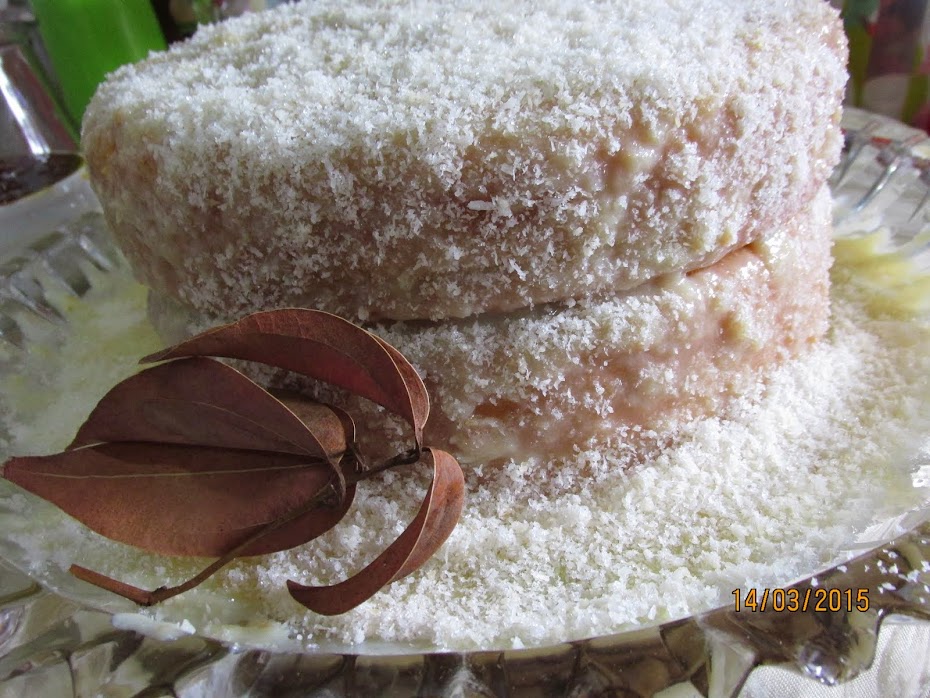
428, 160
548, 381
549, 549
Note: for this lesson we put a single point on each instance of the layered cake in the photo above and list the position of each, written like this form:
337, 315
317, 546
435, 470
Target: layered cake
587, 227
576, 219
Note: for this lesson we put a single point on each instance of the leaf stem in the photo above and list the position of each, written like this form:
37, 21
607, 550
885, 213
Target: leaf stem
406, 458
150, 598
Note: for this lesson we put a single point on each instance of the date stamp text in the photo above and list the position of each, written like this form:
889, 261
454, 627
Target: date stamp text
794, 600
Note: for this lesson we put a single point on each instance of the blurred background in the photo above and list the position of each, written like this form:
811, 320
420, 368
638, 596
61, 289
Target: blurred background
889, 57
67, 47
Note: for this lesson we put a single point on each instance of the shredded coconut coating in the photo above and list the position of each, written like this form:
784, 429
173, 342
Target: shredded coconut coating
552, 380
408, 160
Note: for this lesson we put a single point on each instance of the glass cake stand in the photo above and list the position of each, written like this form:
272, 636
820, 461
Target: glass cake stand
53, 646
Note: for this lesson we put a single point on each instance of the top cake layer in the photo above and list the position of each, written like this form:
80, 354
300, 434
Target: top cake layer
428, 160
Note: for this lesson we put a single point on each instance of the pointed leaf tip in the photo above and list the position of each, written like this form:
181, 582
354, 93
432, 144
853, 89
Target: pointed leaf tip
182, 500
322, 346
434, 522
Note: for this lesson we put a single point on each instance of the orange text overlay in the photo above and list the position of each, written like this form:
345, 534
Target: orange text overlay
794, 600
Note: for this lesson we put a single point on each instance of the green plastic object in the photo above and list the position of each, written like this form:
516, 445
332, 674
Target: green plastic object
86, 39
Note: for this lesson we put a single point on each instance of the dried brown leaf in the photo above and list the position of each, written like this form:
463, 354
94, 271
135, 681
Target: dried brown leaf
202, 402
322, 346
190, 457
429, 529
336, 420
183, 500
